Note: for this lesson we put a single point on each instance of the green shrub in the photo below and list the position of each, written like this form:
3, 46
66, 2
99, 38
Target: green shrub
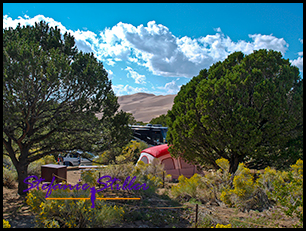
7, 162
72, 213
120, 171
78, 213
35, 167
187, 187
216, 181
131, 152
270, 176
284, 188
222, 226
127, 154
9, 178
150, 174
105, 158
289, 193
243, 182
90, 177
245, 193
6, 224
204, 188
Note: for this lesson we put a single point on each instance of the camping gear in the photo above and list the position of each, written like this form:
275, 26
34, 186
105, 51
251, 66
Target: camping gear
50, 170
172, 166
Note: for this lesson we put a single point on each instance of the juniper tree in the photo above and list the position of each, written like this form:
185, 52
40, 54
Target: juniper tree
51, 92
246, 108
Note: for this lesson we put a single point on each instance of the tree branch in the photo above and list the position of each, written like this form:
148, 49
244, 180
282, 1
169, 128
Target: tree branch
9, 148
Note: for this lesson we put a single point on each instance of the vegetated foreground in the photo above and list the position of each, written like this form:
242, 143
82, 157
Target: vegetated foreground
18, 213
255, 203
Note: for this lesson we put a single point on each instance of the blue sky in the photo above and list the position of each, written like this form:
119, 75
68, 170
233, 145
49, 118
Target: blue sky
158, 47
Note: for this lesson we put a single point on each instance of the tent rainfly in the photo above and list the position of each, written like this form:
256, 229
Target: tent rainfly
172, 166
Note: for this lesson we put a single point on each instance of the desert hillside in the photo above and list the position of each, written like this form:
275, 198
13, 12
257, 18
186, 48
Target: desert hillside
146, 106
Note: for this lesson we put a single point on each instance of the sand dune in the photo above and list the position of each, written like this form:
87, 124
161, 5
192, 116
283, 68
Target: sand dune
144, 106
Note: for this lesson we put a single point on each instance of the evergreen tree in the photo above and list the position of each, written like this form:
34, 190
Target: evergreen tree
51, 93
162, 119
246, 108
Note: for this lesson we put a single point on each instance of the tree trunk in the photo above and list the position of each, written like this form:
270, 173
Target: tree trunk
234, 162
22, 170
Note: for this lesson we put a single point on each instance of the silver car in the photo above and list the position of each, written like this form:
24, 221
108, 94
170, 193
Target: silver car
75, 158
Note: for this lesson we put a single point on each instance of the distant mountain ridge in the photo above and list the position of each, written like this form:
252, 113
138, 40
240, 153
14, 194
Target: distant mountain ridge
144, 106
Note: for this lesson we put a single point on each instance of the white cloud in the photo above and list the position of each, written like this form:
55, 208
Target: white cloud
85, 40
301, 40
269, 42
217, 29
110, 62
9, 22
170, 88
110, 74
156, 48
140, 79
120, 89
298, 62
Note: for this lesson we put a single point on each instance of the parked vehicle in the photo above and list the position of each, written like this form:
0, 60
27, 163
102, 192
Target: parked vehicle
75, 158
151, 134
172, 166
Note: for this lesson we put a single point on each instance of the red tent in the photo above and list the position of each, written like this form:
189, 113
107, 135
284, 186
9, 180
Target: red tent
157, 151
172, 166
